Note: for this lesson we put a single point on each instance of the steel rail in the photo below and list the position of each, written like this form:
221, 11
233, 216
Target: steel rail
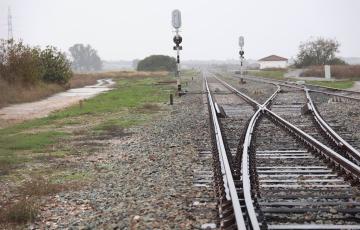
335, 137
251, 101
229, 183
274, 82
332, 88
346, 164
289, 84
335, 94
339, 141
336, 158
272, 97
245, 167
249, 98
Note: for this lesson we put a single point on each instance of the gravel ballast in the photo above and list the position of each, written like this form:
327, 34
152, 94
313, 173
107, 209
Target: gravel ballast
144, 180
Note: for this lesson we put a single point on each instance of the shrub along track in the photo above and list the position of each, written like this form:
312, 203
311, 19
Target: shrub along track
284, 177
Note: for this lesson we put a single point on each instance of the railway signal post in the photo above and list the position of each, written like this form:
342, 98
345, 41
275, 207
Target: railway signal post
241, 52
176, 23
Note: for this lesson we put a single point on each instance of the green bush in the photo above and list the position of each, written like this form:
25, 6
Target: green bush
157, 63
22, 64
19, 63
57, 67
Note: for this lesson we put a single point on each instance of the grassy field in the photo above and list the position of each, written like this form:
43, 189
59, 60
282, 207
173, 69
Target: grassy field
333, 84
134, 101
33, 151
17, 93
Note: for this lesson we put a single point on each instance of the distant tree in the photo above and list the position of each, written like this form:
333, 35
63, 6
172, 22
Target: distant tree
57, 67
135, 63
85, 58
320, 51
157, 62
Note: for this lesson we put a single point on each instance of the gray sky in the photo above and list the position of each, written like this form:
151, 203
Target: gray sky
129, 29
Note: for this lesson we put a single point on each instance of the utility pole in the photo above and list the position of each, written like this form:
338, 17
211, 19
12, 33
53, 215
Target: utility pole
176, 23
241, 52
10, 31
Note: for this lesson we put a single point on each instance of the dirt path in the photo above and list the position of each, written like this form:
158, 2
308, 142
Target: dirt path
25, 111
356, 86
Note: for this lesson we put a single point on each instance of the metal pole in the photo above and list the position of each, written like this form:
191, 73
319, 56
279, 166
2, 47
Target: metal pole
177, 74
176, 23
241, 66
241, 44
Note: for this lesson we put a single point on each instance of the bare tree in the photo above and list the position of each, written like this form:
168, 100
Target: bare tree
85, 58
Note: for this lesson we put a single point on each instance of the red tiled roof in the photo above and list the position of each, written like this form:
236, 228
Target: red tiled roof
273, 58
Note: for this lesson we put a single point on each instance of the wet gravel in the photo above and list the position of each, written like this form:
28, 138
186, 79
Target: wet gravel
143, 180
341, 114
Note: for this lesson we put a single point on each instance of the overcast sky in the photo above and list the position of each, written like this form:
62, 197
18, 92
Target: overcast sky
129, 29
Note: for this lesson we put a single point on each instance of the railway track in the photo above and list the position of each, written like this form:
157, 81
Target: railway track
333, 92
279, 175
293, 97
341, 115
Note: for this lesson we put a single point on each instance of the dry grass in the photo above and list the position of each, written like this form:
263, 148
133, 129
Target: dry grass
112, 131
24, 207
83, 79
20, 212
337, 71
149, 108
16, 93
166, 82
39, 186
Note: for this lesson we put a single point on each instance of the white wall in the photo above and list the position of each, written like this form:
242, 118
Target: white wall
273, 64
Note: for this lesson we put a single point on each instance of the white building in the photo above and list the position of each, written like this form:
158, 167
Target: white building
273, 61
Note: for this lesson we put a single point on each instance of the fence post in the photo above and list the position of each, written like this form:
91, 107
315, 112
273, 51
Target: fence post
171, 99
